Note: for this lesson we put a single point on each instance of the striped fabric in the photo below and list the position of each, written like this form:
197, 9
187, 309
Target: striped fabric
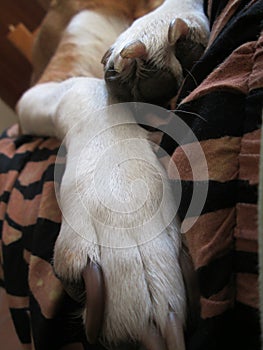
30, 222
221, 100
222, 103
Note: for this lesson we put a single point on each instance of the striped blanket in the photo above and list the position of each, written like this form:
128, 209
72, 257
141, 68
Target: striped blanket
221, 101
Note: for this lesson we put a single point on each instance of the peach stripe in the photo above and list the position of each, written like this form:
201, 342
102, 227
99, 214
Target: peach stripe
233, 74
26, 256
50, 143
249, 157
10, 234
2, 210
212, 308
246, 245
219, 160
256, 77
30, 146
7, 181
7, 147
17, 302
23, 211
249, 168
45, 287
251, 142
247, 289
33, 171
49, 208
247, 221
211, 236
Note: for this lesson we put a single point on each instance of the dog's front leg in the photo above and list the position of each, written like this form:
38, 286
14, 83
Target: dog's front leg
115, 201
37, 107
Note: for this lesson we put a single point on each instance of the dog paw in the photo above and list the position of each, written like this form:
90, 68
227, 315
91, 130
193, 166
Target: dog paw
119, 244
148, 61
126, 294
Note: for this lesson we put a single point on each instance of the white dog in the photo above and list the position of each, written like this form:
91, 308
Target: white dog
120, 236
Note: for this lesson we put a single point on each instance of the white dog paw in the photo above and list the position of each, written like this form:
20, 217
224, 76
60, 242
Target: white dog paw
118, 250
148, 61
127, 292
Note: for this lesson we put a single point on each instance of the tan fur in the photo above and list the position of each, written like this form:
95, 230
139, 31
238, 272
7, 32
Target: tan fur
62, 11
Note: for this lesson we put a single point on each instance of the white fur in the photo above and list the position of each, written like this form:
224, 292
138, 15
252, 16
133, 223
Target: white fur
152, 30
140, 264
102, 220
109, 220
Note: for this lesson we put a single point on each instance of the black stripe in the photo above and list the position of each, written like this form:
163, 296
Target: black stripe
32, 190
246, 262
217, 7
22, 139
247, 193
220, 195
64, 328
235, 329
21, 321
12, 223
5, 197
17, 162
42, 154
216, 275
215, 115
247, 327
29, 192
15, 269
231, 37
254, 105
40, 238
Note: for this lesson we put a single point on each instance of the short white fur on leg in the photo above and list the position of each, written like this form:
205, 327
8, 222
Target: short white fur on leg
142, 273
141, 267
140, 263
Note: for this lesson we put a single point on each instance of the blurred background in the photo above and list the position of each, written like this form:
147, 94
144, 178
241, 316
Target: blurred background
19, 20
7, 116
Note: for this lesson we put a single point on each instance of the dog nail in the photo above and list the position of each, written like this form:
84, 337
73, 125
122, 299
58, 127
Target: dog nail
136, 49
95, 300
121, 63
178, 29
174, 333
106, 56
152, 340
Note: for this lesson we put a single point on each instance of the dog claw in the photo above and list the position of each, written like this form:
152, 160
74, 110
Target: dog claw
178, 29
95, 300
174, 333
106, 56
152, 340
135, 49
